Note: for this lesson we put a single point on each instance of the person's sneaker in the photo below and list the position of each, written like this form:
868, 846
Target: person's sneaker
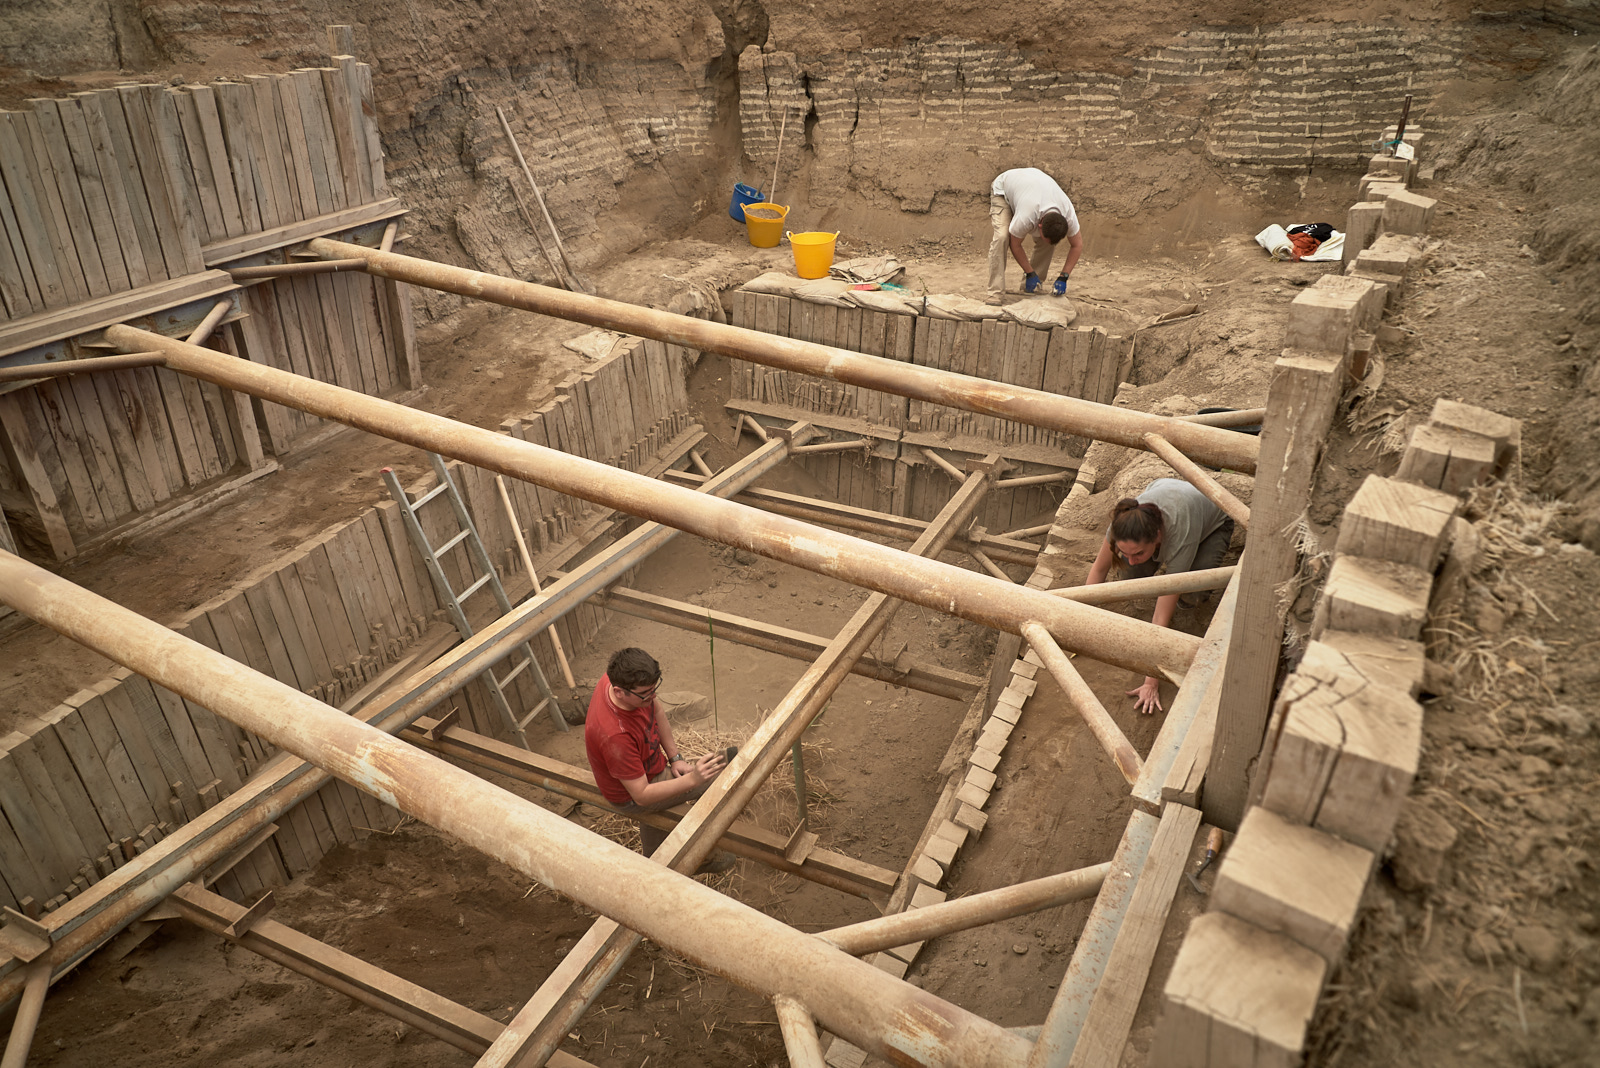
994, 300
717, 863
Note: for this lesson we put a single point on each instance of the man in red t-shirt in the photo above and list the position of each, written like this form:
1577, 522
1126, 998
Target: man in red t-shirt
633, 754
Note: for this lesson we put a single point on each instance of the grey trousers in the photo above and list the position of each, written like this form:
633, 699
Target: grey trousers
650, 838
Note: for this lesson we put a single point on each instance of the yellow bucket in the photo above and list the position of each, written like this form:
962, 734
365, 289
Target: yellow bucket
813, 253
764, 223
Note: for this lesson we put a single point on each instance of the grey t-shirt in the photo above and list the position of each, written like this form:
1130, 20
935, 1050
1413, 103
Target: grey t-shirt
1188, 518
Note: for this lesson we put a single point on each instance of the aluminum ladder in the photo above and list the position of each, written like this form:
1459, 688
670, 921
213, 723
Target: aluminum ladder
488, 578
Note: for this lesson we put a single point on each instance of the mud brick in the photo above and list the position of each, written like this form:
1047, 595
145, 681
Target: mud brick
1408, 213
1236, 995
1450, 460
973, 819
842, 1054
927, 871
1343, 756
1367, 295
1382, 261
1373, 597
1381, 164
907, 953
1372, 180
1360, 228
1399, 521
983, 780
1322, 321
1293, 880
942, 851
888, 962
1391, 662
987, 759
1021, 687
923, 896
950, 832
1008, 713
975, 796
1024, 669
1504, 431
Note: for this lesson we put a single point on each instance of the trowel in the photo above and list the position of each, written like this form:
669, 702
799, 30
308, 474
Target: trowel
1213, 846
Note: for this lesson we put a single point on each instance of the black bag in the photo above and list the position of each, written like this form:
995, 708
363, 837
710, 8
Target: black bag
1320, 231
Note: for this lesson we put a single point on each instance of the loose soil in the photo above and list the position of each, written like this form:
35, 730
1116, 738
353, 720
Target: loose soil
1487, 958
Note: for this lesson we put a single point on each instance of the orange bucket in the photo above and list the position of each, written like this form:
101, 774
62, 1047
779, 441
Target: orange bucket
813, 252
764, 223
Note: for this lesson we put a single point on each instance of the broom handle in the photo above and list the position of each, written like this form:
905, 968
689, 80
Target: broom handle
781, 127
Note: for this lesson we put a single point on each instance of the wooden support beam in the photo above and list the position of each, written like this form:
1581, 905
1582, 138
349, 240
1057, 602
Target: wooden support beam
1117, 996
1197, 477
1305, 391
782, 640
31, 372
1084, 701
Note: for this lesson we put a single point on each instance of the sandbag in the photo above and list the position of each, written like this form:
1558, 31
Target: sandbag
868, 269
895, 302
775, 282
961, 309
1041, 314
824, 291
595, 344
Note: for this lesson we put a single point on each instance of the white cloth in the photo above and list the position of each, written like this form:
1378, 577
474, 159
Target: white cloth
1041, 314
1275, 239
1030, 192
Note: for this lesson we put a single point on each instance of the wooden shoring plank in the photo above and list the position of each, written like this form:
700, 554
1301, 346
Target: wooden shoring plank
22, 765
376, 574
22, 449
417, 586
106, 394
238, 411
148, 412
349, 97
195, 163
20, 876
287, 585
59, 451
236, 116
81, 404
192, 750
76, 803
336, 804
27, 201
262, 343
286, 667
112, 139
387, 569
1302, 398
214, 462
144, 732
236, 633
271, 155
104, 201
347, 639
161, 106
357, 338
92, 772
132, 223
1110, 1014
366, 103
342, 156
46, 838
372, 310
120, 763
301, 308
342, 357
396, 297
278, 302
321, 156
353, 584
58, 225
216, 151
148, 176
79, 232
296, 155
18, 289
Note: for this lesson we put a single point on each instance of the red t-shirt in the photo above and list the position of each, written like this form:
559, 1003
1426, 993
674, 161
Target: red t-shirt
622, 744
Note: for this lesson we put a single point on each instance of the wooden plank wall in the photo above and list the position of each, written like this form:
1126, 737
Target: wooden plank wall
895, 476
124, 190
117, 766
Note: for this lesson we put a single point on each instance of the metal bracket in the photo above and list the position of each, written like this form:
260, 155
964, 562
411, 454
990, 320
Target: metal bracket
23, 938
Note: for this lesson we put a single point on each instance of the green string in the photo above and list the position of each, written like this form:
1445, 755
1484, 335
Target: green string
711, 640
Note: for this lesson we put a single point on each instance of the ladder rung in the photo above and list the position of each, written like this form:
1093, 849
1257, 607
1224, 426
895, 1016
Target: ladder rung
430, 495
452, 543
519, 669
474, 588
540, 707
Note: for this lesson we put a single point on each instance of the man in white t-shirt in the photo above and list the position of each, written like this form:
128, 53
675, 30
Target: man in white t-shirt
1027, 202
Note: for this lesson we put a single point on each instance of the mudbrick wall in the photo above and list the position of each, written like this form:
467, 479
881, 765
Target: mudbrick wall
636, 117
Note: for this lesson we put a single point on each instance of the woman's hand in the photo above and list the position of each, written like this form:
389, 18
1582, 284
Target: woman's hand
1148, 696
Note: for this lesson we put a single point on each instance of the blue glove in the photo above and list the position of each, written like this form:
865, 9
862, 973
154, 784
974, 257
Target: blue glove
1031, 283
1060, 288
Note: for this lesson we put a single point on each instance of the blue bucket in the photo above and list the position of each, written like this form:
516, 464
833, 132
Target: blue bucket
742, 195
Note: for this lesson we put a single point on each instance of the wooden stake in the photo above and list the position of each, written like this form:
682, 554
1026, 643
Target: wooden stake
527, 562
572, 273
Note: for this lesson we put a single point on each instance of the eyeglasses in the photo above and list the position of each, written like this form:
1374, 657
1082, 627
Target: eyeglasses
646, 695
